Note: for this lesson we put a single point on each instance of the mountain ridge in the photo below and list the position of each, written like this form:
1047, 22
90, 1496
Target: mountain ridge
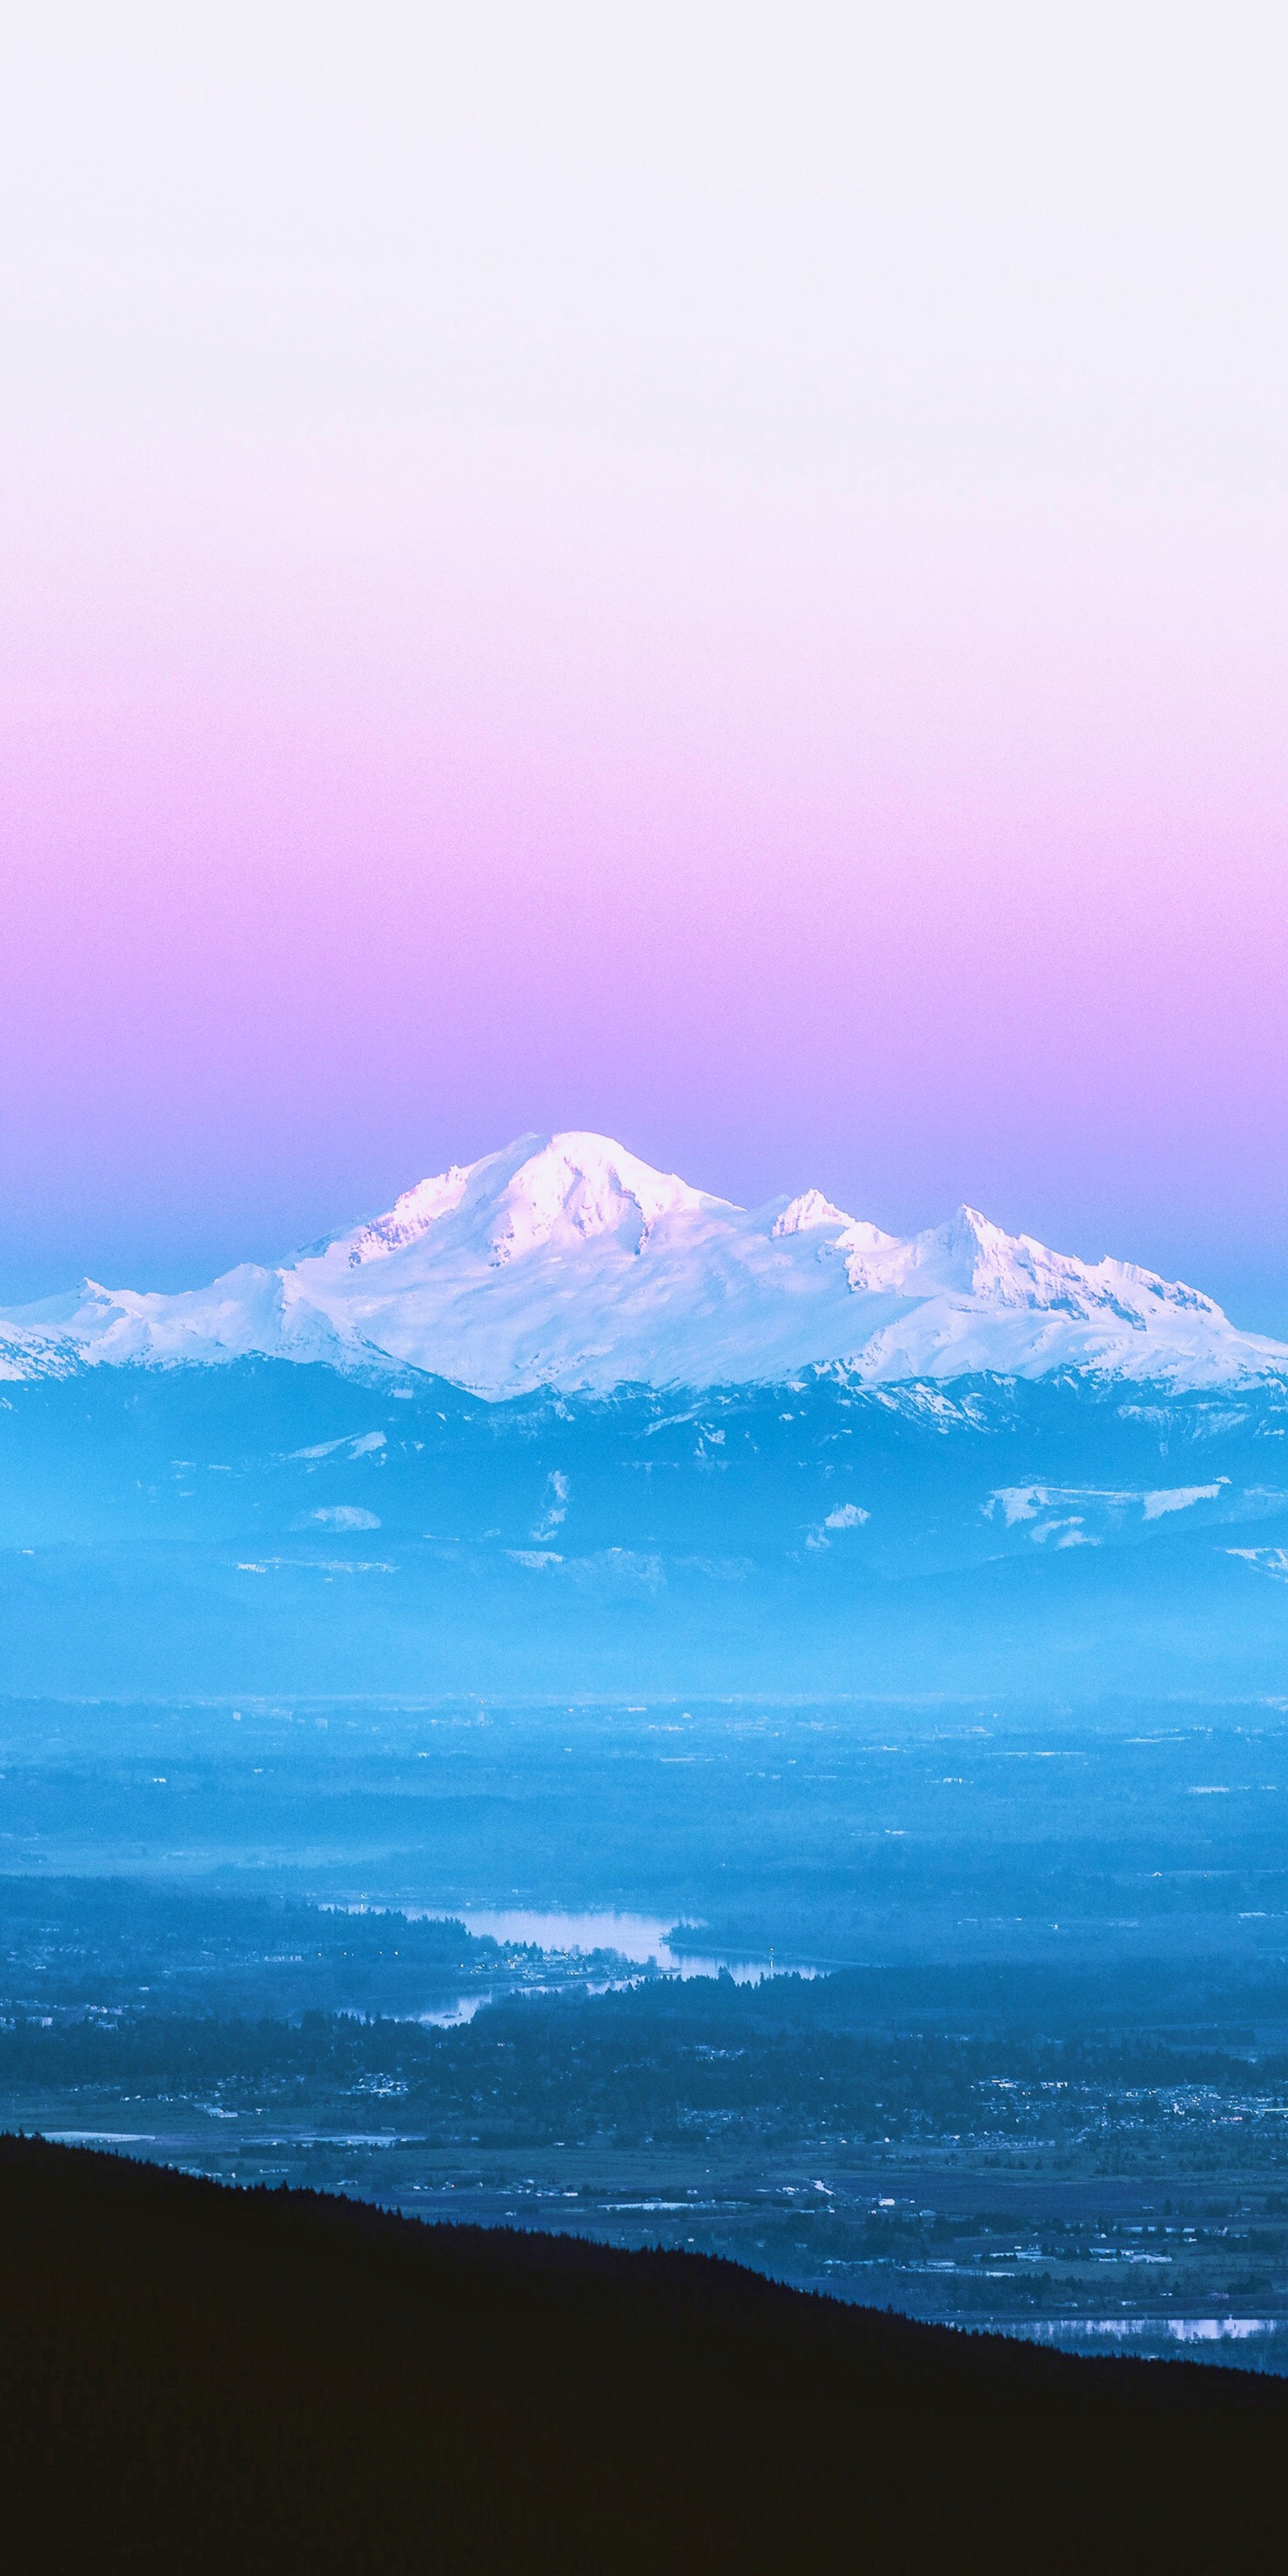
565, 1262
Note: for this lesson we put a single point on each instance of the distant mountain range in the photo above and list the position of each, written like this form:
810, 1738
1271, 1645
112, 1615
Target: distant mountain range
565, 1263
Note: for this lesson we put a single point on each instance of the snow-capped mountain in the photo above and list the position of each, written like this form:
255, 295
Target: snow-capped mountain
565, 1262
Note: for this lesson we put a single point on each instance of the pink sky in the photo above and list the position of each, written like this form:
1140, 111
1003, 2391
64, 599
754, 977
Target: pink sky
875, 781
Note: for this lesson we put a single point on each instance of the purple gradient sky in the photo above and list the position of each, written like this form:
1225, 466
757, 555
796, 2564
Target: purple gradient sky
722, 585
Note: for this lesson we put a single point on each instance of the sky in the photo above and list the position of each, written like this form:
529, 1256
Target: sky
715, 574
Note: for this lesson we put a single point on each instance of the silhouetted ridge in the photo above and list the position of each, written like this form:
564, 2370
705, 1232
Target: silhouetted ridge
196, 2378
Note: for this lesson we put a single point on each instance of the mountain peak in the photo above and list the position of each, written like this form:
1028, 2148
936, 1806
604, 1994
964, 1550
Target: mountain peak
567, 1188
564, 1261
576, 1186
810, 1209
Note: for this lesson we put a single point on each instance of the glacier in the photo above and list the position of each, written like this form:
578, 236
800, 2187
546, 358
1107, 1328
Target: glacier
565, 1263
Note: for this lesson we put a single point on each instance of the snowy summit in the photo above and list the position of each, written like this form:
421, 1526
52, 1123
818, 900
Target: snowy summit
565, 1262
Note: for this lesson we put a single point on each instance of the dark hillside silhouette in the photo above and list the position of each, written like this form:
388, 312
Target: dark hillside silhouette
197, 2378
